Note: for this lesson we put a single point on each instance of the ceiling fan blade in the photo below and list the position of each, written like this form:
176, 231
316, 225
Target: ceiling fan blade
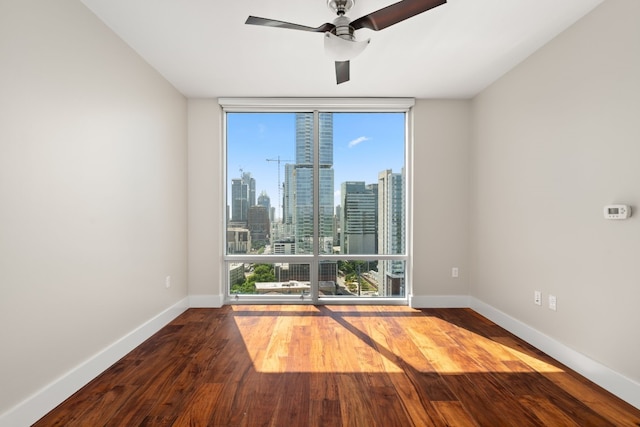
254, 20
342, 71
387, 16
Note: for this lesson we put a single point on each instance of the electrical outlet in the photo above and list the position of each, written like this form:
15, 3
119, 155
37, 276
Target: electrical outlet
167, 282
552, 302
537, 297
454, 272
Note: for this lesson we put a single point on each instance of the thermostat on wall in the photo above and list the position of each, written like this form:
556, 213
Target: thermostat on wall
617, 211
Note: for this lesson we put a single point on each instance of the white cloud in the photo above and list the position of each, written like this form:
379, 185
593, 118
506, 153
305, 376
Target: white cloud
358, 141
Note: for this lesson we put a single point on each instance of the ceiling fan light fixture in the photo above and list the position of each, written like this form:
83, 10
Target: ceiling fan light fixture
340, 49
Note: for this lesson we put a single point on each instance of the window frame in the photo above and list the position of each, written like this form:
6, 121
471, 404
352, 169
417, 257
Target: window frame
316, 106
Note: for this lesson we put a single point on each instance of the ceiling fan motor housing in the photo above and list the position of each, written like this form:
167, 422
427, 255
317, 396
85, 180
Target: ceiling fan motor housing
343, 29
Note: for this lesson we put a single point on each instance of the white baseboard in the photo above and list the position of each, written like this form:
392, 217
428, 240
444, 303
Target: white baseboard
206, 301
623, 387
617, 384
38, 405
439, 301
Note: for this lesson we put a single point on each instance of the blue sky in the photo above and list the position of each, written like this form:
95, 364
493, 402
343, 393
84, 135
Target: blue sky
364, 144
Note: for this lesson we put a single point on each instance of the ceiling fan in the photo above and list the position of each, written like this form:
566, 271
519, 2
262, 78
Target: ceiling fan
339, 38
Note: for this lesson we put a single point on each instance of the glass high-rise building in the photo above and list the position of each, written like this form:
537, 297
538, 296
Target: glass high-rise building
243, 196
391, 231
288, 192
265, 200
358, 220
251, 188
259, 225
299, 196
239, 200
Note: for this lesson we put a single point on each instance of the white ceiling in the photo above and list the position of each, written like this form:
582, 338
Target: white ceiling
456, 50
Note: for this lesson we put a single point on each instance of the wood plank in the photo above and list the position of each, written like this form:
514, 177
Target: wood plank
199, 410
262, 365
325, 412
454, 414
547, 412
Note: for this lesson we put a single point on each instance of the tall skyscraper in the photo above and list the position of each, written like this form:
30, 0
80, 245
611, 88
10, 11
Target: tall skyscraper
265, 200
251, 186
243, 196
391, 231
326, 189
239, 200
288, 192
259, 225
299, 204
374, 189
358, 221
336, 225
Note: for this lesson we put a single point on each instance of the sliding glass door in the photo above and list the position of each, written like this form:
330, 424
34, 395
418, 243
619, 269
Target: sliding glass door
316, 202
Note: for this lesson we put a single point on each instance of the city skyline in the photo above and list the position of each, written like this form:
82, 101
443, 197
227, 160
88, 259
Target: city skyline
371, 215
361, 145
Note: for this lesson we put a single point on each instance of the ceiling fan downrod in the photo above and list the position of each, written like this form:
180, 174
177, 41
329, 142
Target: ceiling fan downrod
340, 6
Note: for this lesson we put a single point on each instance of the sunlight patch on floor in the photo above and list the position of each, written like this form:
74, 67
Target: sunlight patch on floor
464, 351
289, 338
292, 344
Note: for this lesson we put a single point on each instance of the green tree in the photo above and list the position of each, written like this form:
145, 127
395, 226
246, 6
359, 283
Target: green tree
261, 273
243, 288
346, 267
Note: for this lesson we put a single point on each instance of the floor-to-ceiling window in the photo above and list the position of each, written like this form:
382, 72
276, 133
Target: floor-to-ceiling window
317, 200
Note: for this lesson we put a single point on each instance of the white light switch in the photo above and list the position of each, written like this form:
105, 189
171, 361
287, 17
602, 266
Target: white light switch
537, 297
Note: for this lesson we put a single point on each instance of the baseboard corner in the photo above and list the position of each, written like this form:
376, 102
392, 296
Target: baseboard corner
206, 301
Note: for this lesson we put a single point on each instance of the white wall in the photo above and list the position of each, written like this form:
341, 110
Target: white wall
555, 140
206, 203
93, 192
442, 135
441, 196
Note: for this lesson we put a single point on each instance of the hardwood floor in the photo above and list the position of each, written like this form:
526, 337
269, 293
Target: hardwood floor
338, 366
